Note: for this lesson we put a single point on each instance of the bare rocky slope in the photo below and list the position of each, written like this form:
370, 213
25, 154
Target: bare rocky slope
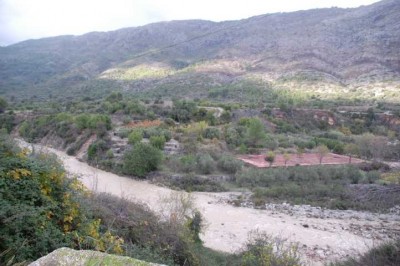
333, 45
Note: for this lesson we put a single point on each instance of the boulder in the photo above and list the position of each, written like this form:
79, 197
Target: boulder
70, 257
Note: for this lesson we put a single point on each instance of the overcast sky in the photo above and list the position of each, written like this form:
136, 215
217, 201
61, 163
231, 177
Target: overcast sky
30, 19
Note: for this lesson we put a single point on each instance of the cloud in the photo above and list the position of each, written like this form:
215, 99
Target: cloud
23, 19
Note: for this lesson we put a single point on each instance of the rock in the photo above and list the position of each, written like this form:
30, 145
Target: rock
321, 253
70, 257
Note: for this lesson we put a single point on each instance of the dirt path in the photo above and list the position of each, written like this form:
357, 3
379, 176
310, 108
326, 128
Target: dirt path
319, 239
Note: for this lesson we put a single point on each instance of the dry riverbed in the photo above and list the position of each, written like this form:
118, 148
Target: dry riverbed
322, 235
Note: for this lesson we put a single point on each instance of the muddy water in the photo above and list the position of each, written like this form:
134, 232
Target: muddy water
228, 227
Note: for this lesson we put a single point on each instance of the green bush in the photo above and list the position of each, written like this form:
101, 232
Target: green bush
284, 127
263, 249
92, 121
192, 183
332, 144
232, 137
183, 111
211, 133
97, 149
40, 208
3, 105
372, 176
188, 163
141, 159
229, 164
157, 131
7, 121
158, 142
255, 134
205, 164
135, 136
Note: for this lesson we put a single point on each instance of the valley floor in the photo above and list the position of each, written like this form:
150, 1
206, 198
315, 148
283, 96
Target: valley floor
321, 238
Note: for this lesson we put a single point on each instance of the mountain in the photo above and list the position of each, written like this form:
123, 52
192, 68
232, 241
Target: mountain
332, 46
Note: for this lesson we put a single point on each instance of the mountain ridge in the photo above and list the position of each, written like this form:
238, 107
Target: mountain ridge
341, 45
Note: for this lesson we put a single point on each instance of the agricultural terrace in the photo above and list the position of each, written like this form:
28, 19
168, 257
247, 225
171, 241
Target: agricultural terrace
295, 159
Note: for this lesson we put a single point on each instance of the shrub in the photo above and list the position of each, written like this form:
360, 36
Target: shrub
205, 164
93, 122
332, 144
371, 177
144, 235
183, 111
211, 133
3, 105
40, 209
195, 183
323, 186
354, 175
188, 163
232, 137
141, 159
135, 136
263, 249
158, 142
374, 166
229, 164
7, 121
270, 143
157, 131
96, 149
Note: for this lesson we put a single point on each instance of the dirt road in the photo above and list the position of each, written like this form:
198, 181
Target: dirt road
320, 240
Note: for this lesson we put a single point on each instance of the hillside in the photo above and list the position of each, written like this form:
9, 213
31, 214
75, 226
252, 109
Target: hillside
334, 47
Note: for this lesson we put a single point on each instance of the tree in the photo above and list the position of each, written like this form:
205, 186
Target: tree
370, 117
379, 147
141, 159
270, 157
3, 105
364, 144
286, 157
183, 111
255, 134
371, 146
351, 150
300, 152
322, 151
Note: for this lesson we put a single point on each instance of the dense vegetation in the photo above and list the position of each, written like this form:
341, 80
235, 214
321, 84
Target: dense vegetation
211, 135
40, 208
